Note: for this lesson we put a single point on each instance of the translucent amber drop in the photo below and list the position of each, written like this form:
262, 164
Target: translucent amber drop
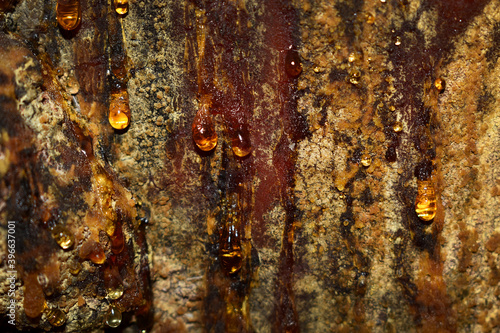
121, 6
230, 243
354, 76
74, 267
425, 203
398, 41
114, 317
63, 237
55, 317
293, 65
370, 19
69, 13
439, 84
98, 256
119, 110
204, 134
241, 144
366, 160
397, 127
116, 292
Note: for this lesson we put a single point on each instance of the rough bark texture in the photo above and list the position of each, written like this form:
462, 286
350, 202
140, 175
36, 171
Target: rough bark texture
329, 240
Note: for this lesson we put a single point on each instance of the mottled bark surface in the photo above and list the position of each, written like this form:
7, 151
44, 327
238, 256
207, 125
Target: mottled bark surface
324, 206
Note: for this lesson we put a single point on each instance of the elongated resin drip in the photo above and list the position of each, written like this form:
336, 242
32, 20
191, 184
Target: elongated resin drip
69, 13
241, 143
425, 203
203, 127
121, 6
231, 256
119, 110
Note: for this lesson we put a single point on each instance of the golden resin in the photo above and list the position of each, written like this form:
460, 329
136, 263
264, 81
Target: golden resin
63, 237
439, 84
55, 317
231, 256
115, 292
241, 144
119, 110
204, 134
69, 13
397, 127
366, 160
114, 317
425, 203
121, 6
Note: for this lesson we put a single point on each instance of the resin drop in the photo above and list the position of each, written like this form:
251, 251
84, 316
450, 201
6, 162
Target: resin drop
366, 160
439, 84
69, 13
230, 243
119, 110
204, 134
397, 127
55, 317
121, 6
114, 317
241, 144
293, 65
63, 237
115, 292
425, 203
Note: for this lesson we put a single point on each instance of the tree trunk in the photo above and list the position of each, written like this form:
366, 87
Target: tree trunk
353, 112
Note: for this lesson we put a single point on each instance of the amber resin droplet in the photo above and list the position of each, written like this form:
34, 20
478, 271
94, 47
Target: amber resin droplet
231, 256
63, 237
293, 65
366, 160
121, 6
115, 293
241, 144
69, 13
204, 134
114, 317
55, 317
397, 127
425, 203
439, 84
119, 110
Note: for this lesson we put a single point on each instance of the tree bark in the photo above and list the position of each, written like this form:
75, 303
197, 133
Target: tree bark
348, 107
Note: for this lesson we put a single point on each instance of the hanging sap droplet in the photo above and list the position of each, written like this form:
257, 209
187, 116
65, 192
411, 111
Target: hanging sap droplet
439, 84
354, 76
114, 317
351, 57
370, 19
98, 256
293, 65
119, 110
63, 237
74, 267
425, 203
203, 127
55, 317
115, 292
241, 143
397, 127
230, 244
121, 6
69, 13
366, 160
44, 282
398, 41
